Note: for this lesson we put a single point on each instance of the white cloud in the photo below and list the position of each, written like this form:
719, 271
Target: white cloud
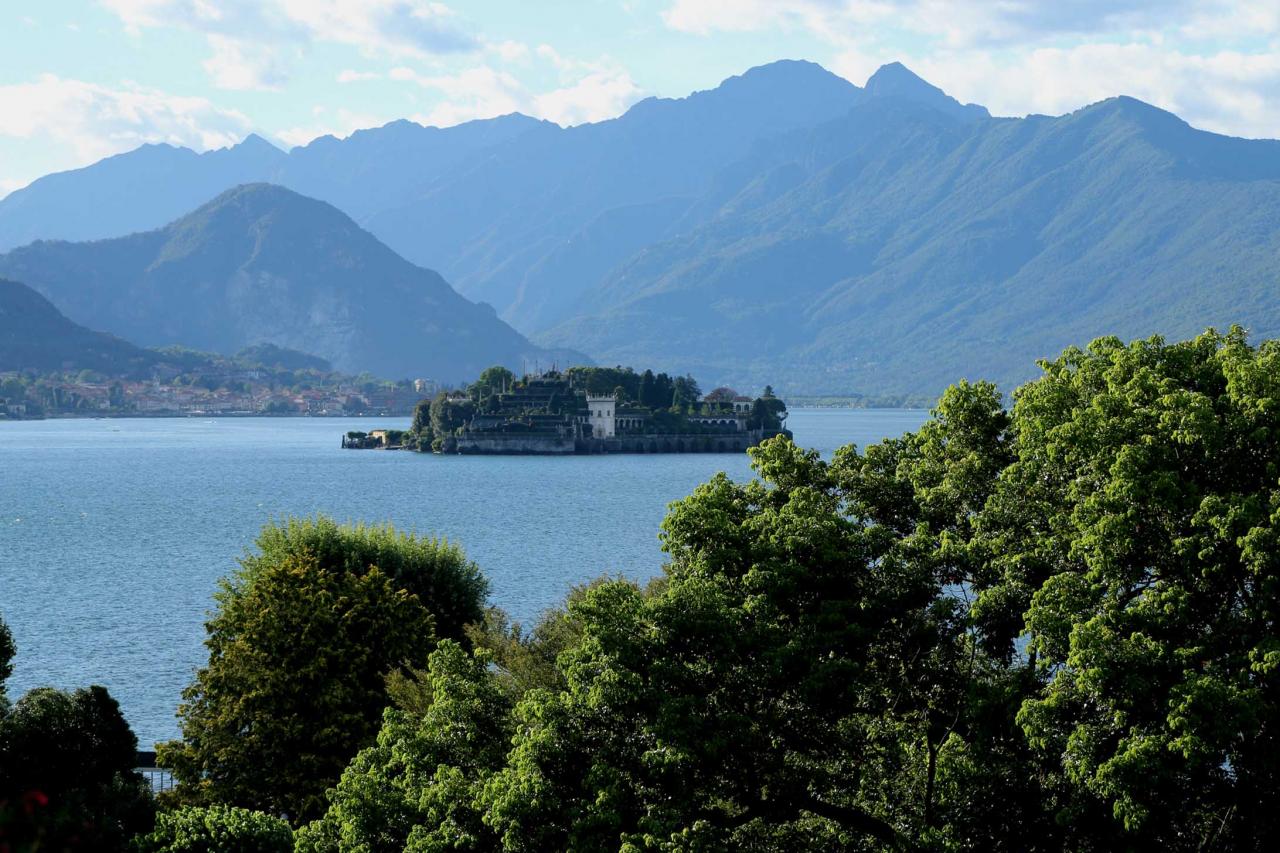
250, 38
95, 121
1227, 91
8, 185
509, 51
244, 65
351, 76
592, 91
955, 22
479, 92
599, 95
343, 123
391, 27
1214, 62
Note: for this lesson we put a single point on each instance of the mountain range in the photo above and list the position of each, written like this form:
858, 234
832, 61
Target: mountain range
262, 264
786, 226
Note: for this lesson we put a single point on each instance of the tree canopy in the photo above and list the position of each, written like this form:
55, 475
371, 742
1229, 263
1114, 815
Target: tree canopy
1051, 626
299, 651
216, 829
66, 773
1039, 628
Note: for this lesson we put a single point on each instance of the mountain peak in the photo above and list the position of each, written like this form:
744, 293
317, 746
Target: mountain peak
251, 201
785, 77
896, 80
254, 142
803, 90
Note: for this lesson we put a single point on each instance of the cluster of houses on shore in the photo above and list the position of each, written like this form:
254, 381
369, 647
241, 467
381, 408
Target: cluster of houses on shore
247, 397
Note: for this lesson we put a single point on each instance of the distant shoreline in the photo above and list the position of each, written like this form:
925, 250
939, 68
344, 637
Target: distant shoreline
801, 403
143, 416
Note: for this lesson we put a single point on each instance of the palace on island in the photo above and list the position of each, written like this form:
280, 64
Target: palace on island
590, 410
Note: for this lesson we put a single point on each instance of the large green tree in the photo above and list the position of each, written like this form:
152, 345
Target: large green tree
419, 787
299, 650
1137, 530
66, 774
1046, 628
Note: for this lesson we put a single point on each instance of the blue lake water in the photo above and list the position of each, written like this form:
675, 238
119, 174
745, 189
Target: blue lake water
113, 533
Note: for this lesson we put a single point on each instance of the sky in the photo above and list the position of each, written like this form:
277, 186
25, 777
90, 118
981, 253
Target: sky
84, 79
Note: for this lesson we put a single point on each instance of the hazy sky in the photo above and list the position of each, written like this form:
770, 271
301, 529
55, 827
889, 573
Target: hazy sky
81, 79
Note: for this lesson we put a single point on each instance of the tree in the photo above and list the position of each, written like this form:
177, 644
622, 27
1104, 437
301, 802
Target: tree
419, 788
766, 413
448, 415
685, 392
757, 699
421, 432
1137, 528
493, 380
7, 653
299, 650
723, 394
216, 829
645, 392
437, 572
66, 774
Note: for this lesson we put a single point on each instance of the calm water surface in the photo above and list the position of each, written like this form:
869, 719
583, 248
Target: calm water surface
113, 533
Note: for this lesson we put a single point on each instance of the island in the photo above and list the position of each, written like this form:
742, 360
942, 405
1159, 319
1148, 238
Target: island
583, 410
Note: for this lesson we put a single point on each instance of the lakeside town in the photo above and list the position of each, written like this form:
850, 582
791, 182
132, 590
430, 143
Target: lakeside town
231, 392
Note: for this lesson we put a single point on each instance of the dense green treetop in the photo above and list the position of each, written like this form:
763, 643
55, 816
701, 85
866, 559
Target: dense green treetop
419, 787
216, 829
1137, 528
449, 585
299, 651
66, 773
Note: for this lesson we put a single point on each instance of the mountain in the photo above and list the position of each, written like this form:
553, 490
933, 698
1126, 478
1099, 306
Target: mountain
135, 191
790, 227
901, 247
511, 210
36, 336
262, 264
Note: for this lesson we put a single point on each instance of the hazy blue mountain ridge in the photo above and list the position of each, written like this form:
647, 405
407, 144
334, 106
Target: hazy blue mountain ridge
262, 264
788, 226
34, 335
933, 247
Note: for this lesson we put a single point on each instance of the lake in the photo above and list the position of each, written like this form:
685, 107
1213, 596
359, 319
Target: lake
113, 533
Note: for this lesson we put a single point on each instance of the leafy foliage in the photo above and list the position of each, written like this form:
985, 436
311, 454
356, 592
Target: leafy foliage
1147, 476
217, 829
299, 650
449, 585
417, 788
66, 774
1040, 629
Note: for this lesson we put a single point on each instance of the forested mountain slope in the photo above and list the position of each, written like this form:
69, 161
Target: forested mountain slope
262, 264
